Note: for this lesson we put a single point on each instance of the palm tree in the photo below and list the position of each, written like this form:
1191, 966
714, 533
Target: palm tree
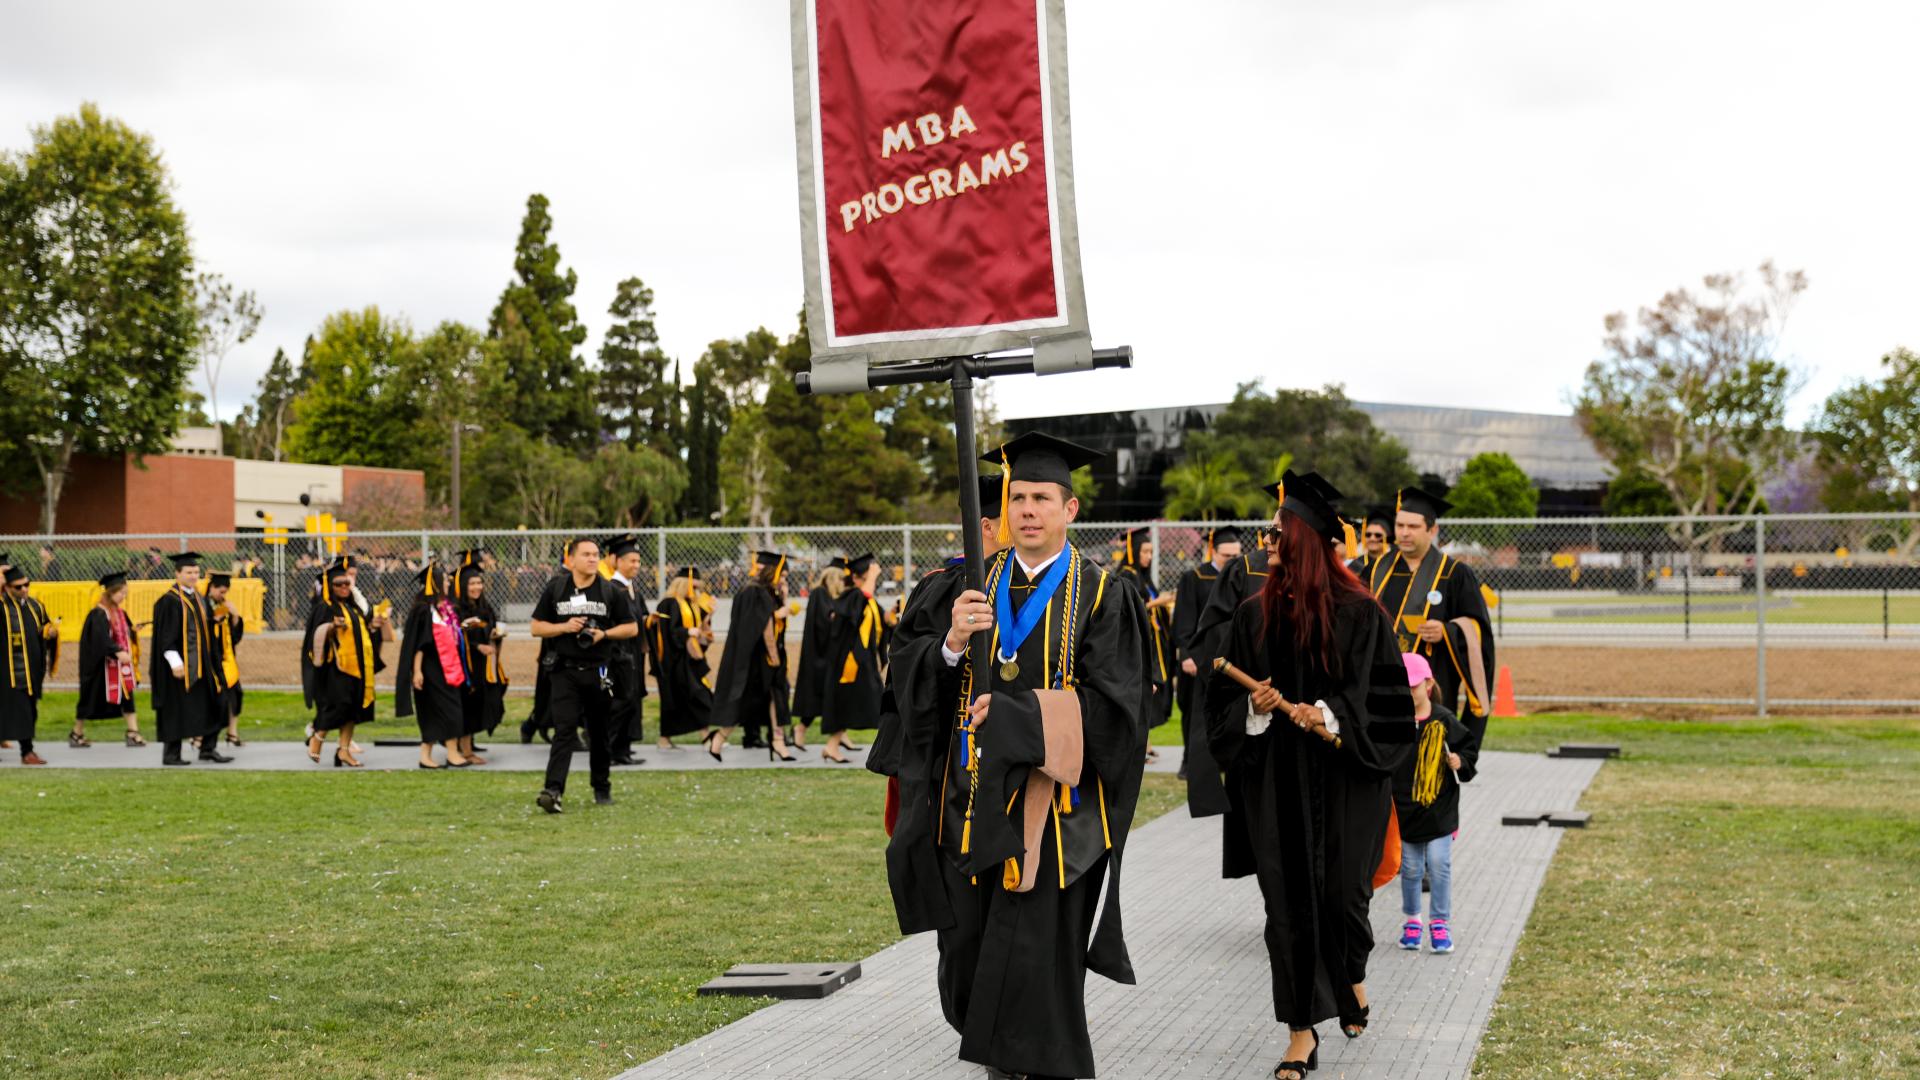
1209, 489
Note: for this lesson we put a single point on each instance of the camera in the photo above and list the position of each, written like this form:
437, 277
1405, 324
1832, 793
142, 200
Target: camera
584, 639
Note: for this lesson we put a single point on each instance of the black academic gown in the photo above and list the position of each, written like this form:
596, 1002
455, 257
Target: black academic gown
913, 767
1459, 597
1158, 662
1189, 601
686, 691
185, 706
1314, 817
854, 664
1420, 822
812, 679
29, 653
341, 698
749, 689
1207, 794
438, 704
1012, 971
96, 651
485, 702
227, 635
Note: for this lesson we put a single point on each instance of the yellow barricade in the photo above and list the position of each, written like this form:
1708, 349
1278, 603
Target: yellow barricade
69, 602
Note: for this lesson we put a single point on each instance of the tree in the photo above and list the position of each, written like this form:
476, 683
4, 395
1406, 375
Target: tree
636, 401
1690, 392
361, 404
742, 370
1311, 430
97, 316
706, 425
1494, 486
1210, 489
227, 319
1868, 435
538, 331
847, 457
631, 484
261, 428
455, 376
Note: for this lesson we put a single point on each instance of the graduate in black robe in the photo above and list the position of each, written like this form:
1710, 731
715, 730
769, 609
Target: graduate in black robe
485, 702
854, 659
1438, 607
184, 669
1207, 795
1028, 833
813, 677
109, 662
1310, 779
1134, 566
341, 643
228, 630
913, 768
432, 680
677, 638
1189, 602
627, 665
1376, 540
751, 686
31, 642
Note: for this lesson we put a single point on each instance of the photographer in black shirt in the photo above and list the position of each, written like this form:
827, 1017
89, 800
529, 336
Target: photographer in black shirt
578, 617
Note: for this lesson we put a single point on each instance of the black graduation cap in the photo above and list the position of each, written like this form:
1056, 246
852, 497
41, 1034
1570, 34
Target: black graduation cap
1311, 499
470, 558
838, 562
617, 546
1133, 538
690, 572
989, 496
1223, 534
1042, 459
6, 558
113, 579
334, 573
769, 558
219, 580
859, 564
15, 575
184, 559
342, 562
1382, 514
1424, 503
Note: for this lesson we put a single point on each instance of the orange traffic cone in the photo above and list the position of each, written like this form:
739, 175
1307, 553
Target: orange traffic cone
1503, 703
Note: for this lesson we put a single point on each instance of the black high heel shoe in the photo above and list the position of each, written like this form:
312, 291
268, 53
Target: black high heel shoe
1300, 1069
775, 755
711, 739
339, 764
1355, 1025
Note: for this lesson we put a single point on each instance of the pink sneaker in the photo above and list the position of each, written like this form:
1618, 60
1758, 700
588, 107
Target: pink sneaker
1410, 935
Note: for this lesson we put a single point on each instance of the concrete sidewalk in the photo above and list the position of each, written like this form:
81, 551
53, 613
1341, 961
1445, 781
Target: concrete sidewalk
1203, 1007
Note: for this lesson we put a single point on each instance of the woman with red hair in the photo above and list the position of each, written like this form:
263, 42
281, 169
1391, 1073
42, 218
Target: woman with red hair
1304, 764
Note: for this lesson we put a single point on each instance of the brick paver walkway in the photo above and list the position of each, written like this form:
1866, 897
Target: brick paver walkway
1203, 1008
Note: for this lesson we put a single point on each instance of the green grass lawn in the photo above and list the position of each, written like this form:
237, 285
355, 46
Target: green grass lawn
1742, 906
274, 924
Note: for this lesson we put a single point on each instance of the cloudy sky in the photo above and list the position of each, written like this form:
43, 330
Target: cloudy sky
1429, 201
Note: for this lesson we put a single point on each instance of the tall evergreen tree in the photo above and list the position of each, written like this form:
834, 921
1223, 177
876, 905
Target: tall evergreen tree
539, 332
636, 401
706, 426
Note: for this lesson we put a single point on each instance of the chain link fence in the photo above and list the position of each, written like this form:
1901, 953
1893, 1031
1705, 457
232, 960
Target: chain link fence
1750, 613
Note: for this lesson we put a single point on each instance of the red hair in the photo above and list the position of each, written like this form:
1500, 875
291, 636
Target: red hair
1304, 587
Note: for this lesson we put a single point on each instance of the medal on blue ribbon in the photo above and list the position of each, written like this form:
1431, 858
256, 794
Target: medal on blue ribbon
1016, 627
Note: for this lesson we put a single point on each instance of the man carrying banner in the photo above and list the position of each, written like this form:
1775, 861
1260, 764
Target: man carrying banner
1033, 696
1438, 606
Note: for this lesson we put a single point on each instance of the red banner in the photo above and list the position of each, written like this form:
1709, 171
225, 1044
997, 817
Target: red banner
935, 204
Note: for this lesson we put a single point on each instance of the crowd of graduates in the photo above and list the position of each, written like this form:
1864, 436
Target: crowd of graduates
1332, 684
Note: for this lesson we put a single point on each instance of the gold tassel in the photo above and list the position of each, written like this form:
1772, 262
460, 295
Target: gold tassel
1353, 542
1005, 535
1426, 769
429, 582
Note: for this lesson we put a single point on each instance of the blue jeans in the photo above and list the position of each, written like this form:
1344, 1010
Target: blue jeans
1434, 859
